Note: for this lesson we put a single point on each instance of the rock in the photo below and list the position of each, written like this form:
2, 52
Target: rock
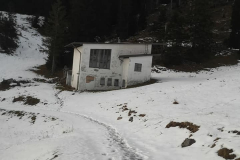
188, 142
131, 119
119, 118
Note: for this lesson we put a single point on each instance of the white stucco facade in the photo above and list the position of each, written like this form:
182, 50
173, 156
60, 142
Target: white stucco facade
121, 68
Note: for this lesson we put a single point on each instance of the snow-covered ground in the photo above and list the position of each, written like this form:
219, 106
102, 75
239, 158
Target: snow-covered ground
72, 125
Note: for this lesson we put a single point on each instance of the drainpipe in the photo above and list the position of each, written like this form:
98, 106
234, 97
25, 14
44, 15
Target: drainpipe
79, 65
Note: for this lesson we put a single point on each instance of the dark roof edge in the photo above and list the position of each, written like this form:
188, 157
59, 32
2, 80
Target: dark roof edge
138, 55
78, 44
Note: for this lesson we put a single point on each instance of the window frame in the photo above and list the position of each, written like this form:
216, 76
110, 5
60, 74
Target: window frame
108, 82
102, 80
116, 80
138, 67
100, 58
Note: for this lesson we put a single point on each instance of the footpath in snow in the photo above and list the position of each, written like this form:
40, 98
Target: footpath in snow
73, 125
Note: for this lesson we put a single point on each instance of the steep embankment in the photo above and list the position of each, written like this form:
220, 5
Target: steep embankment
27, 55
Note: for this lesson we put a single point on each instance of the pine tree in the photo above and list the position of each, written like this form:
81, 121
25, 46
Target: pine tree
176, 37
201, 30
234, 39
8, 33
55, 29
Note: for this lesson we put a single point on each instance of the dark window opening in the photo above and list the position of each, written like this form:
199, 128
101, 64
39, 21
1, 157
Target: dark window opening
109, 82
138, 67
102, 81
123, 83
116, 82
100, 58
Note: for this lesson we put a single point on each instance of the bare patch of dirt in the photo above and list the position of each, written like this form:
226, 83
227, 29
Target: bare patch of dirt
119, 118
235, 132
213, 145
29, 100
131, 112
43, 71
142, 115
226, 153
215, 140
11, 83
190, 126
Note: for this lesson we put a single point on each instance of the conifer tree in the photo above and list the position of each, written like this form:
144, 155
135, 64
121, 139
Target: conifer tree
234, 40
8, 33
55, 30
201, 30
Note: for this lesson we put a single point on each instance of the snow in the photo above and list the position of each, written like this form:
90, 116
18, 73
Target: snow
73, 125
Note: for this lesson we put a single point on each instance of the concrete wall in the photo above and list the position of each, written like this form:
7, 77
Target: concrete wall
90, 77
125, 66
75, 68
135, 77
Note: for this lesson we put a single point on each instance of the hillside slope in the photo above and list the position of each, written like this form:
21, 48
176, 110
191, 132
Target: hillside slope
27, 55
150, 122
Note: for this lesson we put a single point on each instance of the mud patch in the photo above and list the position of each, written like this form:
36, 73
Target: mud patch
29, 100
190, 126
11, 83
226, 153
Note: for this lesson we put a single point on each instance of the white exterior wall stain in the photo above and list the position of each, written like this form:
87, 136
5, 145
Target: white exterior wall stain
118, 68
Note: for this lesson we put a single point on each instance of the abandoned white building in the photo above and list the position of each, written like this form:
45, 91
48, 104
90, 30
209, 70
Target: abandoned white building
108, 66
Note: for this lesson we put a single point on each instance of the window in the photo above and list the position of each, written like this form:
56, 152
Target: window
102, 81
116, 82
123, 83
100, 58
138, 67
109, 82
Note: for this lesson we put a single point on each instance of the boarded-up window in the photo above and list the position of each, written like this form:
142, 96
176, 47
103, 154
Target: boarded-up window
102, 81
100, 58
109, 82
138, 67
123, 83
116, 82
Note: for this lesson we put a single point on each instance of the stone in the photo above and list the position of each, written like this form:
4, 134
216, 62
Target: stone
188, 142
131, 119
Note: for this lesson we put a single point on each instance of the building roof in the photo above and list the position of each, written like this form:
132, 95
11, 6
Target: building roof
78, 44
138, 55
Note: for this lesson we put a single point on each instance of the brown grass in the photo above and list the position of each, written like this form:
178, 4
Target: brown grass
6, 84
27, 100
142, 115
226, 153
152, 81
190, 126
43, 71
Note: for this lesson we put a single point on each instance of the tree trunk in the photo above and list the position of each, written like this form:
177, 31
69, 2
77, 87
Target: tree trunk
53, 65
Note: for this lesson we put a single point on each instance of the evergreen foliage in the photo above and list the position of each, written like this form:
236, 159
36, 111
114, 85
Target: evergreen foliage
56, 32
234, 40
189, 32
201, 30
35, 21
8, 33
